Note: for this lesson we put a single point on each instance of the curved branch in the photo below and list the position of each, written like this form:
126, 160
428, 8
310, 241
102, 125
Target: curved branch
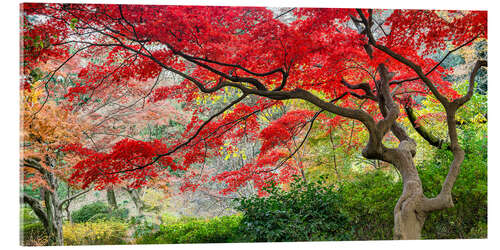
249, 80
37, 207
73, 197
462, 100
363, 86
34, 164
437, 65
422, 131
278, 70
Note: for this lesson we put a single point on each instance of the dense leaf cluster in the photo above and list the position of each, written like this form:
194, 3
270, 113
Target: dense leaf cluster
304, 212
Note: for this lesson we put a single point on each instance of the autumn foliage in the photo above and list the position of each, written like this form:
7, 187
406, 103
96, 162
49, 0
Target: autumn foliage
243, 61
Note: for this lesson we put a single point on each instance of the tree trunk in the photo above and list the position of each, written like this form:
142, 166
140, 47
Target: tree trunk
409, 218
409, 213
110, 193
139, 204
53, 209
49, 213
55, 218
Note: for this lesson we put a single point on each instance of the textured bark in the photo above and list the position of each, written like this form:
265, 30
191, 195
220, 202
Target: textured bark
409, 218
409, 215
53, 210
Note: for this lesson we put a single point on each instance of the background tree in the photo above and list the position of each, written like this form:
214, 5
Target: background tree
44, 167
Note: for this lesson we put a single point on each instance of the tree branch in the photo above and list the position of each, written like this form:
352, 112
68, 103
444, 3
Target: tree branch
462, 100
437, 65
36, 205
422, 131
73, 197
416, 68
363, 86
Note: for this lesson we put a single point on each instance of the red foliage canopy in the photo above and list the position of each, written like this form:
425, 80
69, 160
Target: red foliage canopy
322, 56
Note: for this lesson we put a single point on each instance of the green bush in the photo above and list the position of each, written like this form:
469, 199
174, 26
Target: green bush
470, 194
88, 211
305, 212
370, 204
28, 216
478, 232
98, 211
120, 214
194, 230
95, 233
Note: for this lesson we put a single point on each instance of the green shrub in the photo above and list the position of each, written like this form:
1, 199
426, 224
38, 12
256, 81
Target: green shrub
195, 230
370, 204
95, 233
480, 231
28, 216
88, 211
120, 214
306, 212
98, 211
469, 193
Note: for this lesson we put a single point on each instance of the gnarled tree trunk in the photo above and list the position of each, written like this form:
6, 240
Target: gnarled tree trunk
409, 218
409, 215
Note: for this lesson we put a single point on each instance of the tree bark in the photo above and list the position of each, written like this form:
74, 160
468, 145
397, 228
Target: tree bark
136, 198
409, 218
54, 212
110, 194
409, 212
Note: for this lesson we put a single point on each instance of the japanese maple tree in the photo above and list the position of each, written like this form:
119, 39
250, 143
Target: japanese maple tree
366, 65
